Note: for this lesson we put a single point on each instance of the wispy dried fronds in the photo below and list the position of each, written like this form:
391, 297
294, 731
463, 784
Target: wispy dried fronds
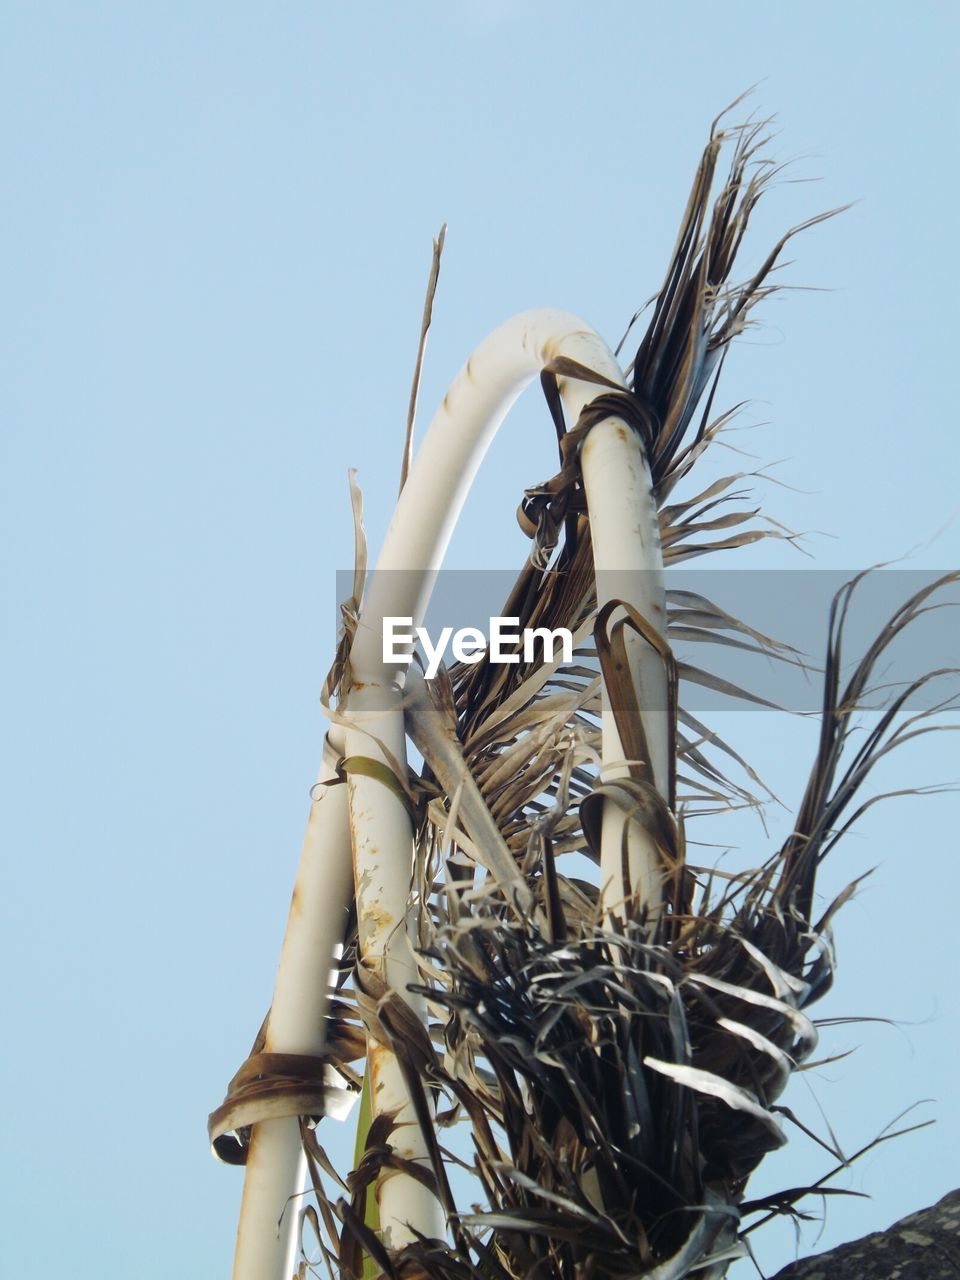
619, 1086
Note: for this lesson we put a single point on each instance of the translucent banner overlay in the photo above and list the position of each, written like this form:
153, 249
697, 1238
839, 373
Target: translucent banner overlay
727, 624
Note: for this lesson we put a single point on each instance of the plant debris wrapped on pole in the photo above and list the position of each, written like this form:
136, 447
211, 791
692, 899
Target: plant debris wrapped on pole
615, 1046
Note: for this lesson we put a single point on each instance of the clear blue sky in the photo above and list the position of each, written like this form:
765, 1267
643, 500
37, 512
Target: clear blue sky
216, 223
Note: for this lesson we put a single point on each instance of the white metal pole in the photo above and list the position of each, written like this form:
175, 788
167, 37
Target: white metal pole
274, 1173
431, 501
628, 560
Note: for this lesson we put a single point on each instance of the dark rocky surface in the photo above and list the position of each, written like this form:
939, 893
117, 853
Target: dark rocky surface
923, 1246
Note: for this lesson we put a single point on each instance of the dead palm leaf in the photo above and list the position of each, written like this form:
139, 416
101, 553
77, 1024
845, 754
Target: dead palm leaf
615, 1054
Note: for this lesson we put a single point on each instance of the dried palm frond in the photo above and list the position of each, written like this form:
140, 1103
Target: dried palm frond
621, 1087
617, 1071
